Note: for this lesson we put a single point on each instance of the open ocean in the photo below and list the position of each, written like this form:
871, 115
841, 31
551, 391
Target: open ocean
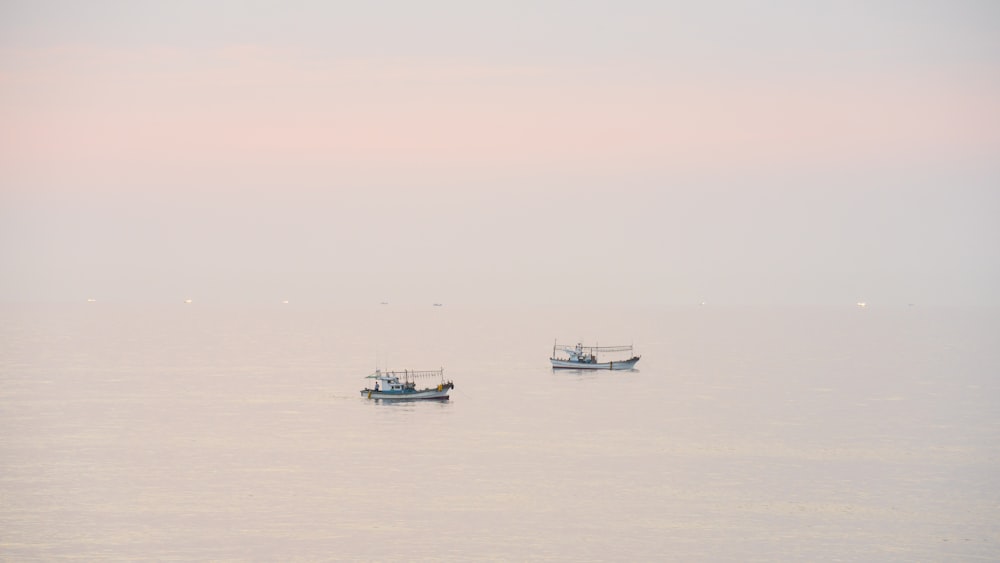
201, 432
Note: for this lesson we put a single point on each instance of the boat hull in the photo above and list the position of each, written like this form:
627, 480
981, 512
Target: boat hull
421, 395
568, 364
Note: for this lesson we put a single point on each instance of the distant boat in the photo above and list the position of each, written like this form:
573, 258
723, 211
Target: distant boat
400, 386
586, 357
91, 300
385, 303
862, 304
437, 304
188, 301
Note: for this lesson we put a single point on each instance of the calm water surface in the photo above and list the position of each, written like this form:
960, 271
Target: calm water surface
191, 432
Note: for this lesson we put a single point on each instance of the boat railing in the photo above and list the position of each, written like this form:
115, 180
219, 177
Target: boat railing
409, 374
592, 349
608, 348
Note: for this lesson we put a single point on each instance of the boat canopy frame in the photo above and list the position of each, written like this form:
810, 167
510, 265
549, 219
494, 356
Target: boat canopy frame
591, 350
407, 374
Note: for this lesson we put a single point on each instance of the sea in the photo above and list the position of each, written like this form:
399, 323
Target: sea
200, 432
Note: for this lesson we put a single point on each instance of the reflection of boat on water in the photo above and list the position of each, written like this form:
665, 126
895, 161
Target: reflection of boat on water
586, 357
401, 385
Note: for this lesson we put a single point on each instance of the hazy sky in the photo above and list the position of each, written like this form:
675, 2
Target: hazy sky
500, 152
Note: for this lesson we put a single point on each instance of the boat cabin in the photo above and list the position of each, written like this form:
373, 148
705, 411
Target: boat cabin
392, 384
579, 355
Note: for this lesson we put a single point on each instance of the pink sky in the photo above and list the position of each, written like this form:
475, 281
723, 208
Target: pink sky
95, 111
98, 107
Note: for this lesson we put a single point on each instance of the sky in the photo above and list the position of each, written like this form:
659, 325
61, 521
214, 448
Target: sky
591, 153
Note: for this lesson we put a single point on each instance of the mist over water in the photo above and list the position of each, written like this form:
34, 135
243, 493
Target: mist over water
193, 432
567, 171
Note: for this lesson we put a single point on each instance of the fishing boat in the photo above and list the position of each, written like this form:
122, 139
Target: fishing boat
586, 357
402, 386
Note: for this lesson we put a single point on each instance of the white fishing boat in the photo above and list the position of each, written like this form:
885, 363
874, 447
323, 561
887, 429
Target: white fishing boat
402, 386
586, 357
